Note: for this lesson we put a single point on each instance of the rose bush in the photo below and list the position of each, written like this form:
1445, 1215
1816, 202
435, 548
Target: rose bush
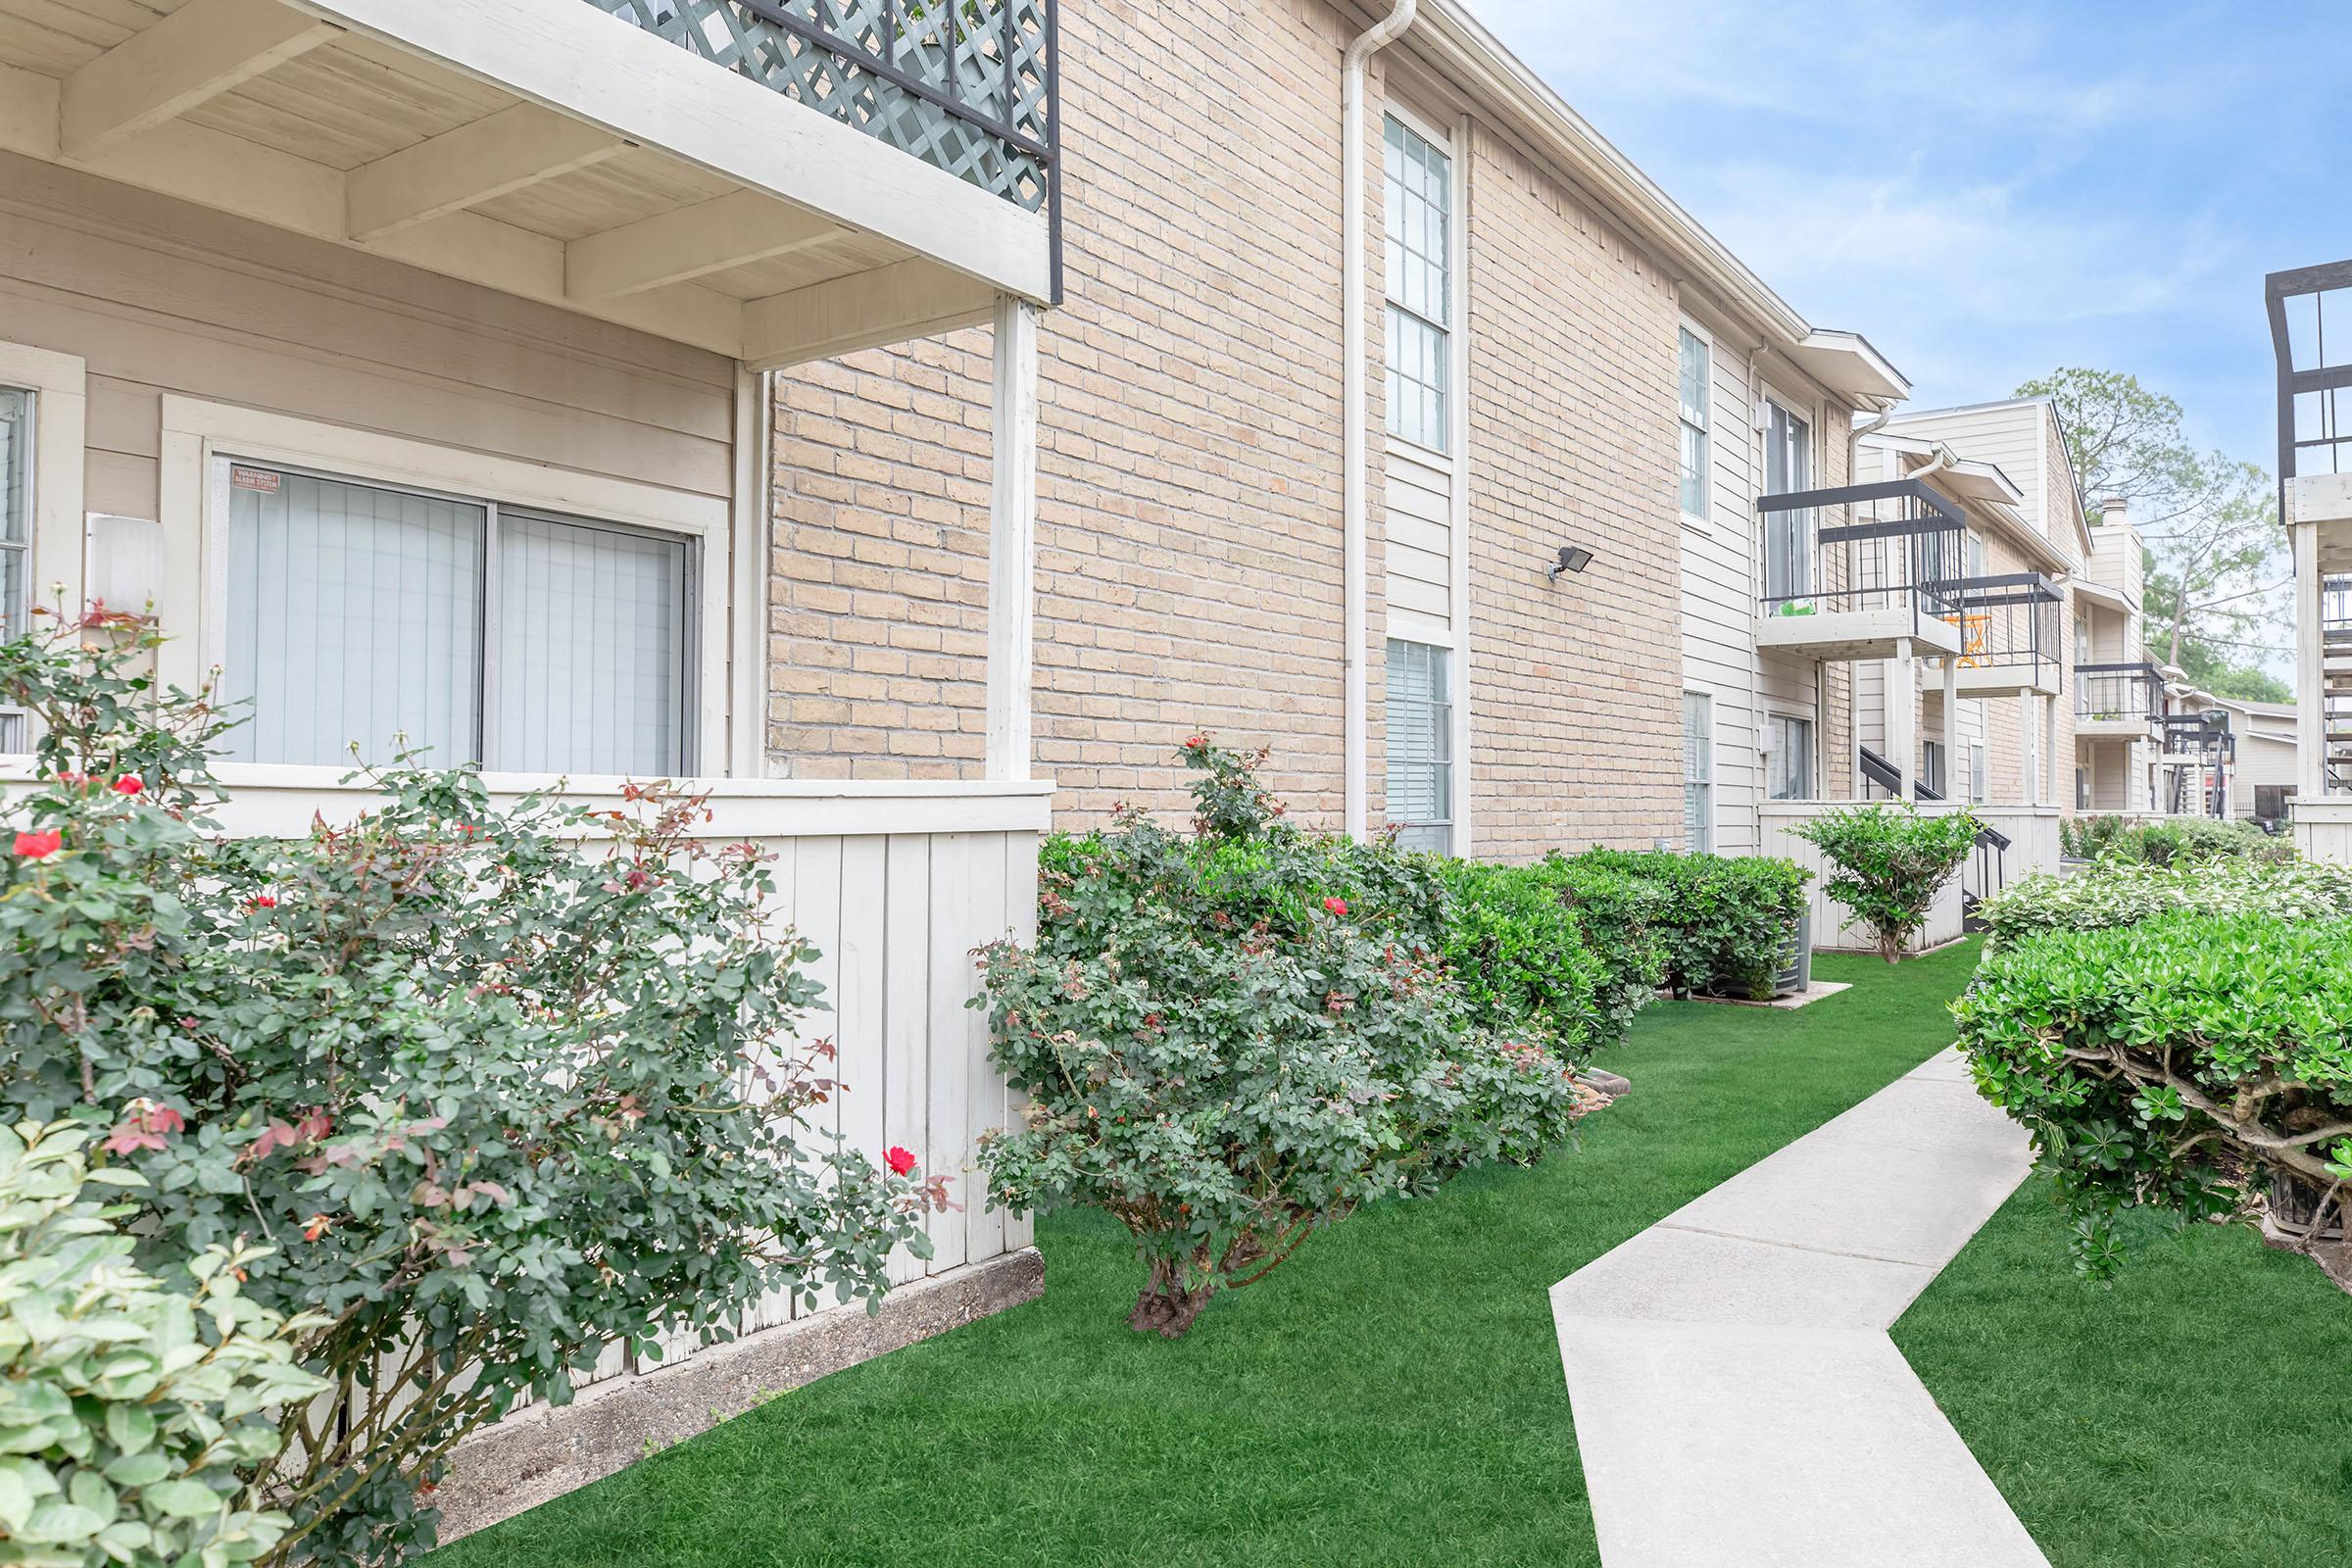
1232, 1040
498, 1086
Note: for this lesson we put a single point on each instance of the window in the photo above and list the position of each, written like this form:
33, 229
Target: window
1698, 772
369, 613
2033, 735
1932, 769
1696, 360
1420, 292
1976, 556
2083, 640
1976, 772
1792, 771
16, 404
1788, 535
2082, 789
2269, 801
1420, 783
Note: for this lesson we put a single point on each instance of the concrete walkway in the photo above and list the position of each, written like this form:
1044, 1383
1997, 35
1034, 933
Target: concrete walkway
1738, 1401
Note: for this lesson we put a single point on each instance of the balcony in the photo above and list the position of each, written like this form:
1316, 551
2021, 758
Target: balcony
2121, 700
777, 180
2008, 625
1860, 573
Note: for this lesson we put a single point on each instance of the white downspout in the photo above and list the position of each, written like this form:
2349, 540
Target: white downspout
1354, 462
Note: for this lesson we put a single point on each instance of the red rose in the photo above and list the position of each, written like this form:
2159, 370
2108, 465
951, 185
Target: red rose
39, 846
128, 784
318, 1226
1336, 905
262, 901
1194, 743
900, 1161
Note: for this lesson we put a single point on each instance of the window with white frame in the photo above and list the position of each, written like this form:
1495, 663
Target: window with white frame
1698, 772
1788, 532
1420, 291
1976, 772
17, 414
369, 614
1420, 751
2082, 789
1933, 771
1693, 379
2032, 744
1790, 776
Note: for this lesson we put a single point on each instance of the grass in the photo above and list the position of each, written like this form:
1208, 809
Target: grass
2198, 1411
1393, 1396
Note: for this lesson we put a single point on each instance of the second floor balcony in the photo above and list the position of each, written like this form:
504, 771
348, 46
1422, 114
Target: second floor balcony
1861, 571
2118, 700
2009, 642
777, 180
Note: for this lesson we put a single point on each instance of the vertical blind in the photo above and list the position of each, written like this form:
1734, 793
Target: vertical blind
361, 614
1420, 749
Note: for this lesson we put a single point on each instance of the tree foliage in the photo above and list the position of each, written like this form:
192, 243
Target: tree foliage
2215, 551
1892, 860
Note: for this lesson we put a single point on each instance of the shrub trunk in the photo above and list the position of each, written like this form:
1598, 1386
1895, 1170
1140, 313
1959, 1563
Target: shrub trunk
1166, 1306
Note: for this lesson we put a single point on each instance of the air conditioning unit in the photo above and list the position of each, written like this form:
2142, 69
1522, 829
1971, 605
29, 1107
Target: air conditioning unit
1795, 976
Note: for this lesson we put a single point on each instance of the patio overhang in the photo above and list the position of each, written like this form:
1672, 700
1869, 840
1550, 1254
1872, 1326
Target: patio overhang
1845, 362
714, 171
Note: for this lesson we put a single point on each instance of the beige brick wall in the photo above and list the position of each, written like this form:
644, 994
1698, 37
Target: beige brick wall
1576, 696
1188, 540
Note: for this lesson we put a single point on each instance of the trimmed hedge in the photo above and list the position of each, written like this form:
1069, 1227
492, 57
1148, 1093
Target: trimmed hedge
1522, 959
1721, 924
2124, 893
2174, 840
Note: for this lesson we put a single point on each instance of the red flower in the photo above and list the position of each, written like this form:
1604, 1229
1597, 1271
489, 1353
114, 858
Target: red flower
77, 780
144, 1127
39, 846
318, 1226
262, 901
900, 1161
1194, 743
128, 784
1336, 905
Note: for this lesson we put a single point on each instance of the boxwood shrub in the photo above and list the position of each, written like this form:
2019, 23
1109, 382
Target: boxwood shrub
1719, 923
2125, 893
2184, 1064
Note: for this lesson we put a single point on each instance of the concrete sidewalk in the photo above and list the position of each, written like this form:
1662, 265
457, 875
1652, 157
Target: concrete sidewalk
1738, 1401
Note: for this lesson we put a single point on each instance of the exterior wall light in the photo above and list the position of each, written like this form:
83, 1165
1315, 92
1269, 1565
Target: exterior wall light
1573, 558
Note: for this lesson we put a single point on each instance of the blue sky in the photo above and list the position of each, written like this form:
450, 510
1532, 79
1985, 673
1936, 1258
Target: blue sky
1990, 190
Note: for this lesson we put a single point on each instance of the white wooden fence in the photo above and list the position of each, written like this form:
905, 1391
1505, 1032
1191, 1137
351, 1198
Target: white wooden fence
894, 884
2032, 831
2323, 829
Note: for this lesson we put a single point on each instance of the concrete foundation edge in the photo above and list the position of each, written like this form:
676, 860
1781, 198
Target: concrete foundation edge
548, 1450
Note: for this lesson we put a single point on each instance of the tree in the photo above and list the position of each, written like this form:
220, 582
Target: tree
2214, 566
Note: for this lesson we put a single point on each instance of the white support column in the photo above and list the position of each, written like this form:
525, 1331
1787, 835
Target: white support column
1902, 718
2310, 666
1951, 729
1012, 540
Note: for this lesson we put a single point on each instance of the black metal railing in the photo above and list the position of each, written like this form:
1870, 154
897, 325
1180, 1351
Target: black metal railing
2009, 620
1893, 545
2198, 751
2311, 338
965, 85
2114, 693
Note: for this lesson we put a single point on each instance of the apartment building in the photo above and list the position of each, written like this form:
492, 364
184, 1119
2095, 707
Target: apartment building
1469, 600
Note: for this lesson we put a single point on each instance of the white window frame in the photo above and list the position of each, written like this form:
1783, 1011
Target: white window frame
197, 434
1706, 430
1934, 766
1452, 766
1773, 720
1449, 395
59, 388
1711, 819
1810, 549
1977, 773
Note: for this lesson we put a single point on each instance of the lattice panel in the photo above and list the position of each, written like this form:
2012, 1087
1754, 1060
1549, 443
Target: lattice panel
959, 48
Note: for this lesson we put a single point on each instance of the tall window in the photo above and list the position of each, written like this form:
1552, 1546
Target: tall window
1698, 772
1932, 769
1792, 773
2032, 737
2082, 789
1976, 772
1788, 535
1694, 383
16, 537
1420, 291
1420, 782
372, 614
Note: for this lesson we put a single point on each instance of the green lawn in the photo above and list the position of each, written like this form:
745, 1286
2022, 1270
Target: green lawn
1392, 1396
2197, 1411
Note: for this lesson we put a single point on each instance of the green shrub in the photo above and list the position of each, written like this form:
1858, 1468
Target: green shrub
2175, 840
1720, 923
2187, 1065
1515, 948
502, 1087
1226, 1054
1621, 918
135, 1407
2117, 893
1891, 860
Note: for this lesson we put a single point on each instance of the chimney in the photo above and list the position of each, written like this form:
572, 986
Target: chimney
2111, 512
